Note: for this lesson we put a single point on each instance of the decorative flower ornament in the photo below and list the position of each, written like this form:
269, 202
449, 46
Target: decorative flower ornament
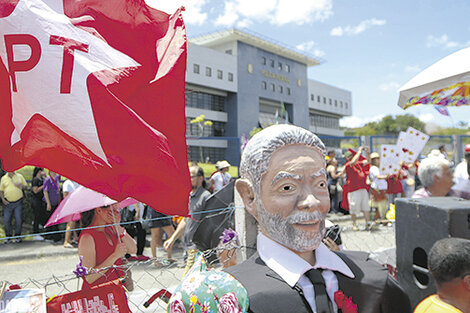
228, 235
345, 304
80, 270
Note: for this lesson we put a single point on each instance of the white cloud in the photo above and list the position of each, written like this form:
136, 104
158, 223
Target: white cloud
389, 86
229, 17
276, 12
356, 121
306, 46
309, 46
356, 30
442, 41
318, 53
412, 69
245, 23
193, 13
426, 117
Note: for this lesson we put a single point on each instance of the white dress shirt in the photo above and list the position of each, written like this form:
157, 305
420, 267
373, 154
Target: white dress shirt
292, 267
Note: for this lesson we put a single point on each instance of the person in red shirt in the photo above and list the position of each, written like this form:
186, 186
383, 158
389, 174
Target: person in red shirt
394, 187
356, 176
103, 245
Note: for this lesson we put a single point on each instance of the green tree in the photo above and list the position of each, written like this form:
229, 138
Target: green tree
201, 122
389, 125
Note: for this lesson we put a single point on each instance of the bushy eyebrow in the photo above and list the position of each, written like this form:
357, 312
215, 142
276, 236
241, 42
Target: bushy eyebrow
321, 172
281, 175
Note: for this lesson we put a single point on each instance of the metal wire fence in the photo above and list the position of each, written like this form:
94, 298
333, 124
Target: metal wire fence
151, 276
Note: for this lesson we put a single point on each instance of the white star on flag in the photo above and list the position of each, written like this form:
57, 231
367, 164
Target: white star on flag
71, 111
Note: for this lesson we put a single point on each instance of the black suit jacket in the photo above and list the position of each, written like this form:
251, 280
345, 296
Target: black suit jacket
372, 289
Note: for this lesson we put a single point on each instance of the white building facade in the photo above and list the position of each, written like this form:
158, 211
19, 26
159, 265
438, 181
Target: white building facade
241, 81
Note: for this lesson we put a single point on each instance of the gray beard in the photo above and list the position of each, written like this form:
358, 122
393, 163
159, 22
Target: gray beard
282, 231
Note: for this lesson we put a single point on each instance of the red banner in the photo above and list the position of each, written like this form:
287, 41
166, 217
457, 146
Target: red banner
108, 297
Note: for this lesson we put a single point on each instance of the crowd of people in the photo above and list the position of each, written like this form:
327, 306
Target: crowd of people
286, 187
360, 186
48, 190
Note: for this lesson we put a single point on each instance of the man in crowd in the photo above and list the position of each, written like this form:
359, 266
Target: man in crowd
435, 176
11, 191
449, 264
460, 172
284, 186
356, 178
188, 226
221, 177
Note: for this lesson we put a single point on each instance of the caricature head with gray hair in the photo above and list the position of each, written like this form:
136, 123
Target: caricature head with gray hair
267, 172
258, 151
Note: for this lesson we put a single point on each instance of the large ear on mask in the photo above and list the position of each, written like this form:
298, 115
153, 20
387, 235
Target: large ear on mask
246, 191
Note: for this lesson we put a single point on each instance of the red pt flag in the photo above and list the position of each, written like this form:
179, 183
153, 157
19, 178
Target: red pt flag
94, 90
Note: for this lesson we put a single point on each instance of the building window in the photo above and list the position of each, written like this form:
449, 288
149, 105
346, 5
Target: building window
263, 85
230, 77
279, 66
336, 103
312, 97
196, 68
229, 51
263, 60
346, 105
217, 129
220, 74
287, 68
288, 91
324, 100
318, 99
205, 101
329, 100
324, 121
208, 153
341, 104
280, 89
208, 72
273, 88
272, 63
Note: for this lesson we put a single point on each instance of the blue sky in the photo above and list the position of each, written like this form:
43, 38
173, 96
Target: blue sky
370, 47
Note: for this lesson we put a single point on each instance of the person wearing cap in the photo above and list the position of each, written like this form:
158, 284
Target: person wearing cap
378, 187
460, 172
356, 177
221, 177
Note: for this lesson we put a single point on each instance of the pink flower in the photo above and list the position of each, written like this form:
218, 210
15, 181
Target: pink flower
176, 306
228, 303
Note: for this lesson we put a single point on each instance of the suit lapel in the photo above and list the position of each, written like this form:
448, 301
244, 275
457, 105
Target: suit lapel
367, 286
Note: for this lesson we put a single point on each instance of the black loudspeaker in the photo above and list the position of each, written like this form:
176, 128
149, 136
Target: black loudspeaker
419, 224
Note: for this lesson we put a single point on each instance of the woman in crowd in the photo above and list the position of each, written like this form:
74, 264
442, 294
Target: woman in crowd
52, 197
333, 175
158, 224
39, 207
102, 244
